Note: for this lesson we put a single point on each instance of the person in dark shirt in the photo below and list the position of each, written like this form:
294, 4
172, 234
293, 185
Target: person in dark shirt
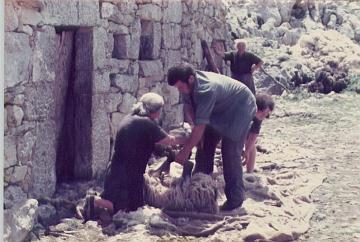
265, 105
242, 64
135, 141
221, 109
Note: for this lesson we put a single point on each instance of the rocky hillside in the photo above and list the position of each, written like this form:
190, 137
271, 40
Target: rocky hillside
301, 41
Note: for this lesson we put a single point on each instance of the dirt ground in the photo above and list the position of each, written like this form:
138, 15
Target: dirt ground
328, 131
310, 152
335, 134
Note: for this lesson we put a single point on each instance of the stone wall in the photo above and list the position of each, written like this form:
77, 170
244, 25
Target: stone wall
133, 43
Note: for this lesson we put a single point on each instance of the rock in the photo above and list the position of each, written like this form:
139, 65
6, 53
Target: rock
101, 82
115, 100
17, 55
170, 41
25, 147
44, 63
43, 176
150, 68
30, 16
71, 13
13, 195
111, 12
19, 221
100, 38
173, 13
19, 174
127, 104
10, 19
149, 12
100, 136
15, 115
126, 83
47, 215
5, 121
10, 156
117, 66
135, 33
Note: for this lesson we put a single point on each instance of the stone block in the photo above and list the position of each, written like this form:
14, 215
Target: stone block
173, 58
60, 12
15, 115
39, 101
134, 68
149, 12
17, 59
135, 30
43, 176
13, 195
11, 21
117, 66
26, 29
18, 174
30, 16
118, 28
25, 147
174, 115
173, 12
10, 157
88, 12
19, 99
19, 221
111, 12
127, 103
126, 83
5, 121
108, 10
100, 39
114, 100
171, 95
71, 13
46, 48
101, 82
100, 136
171, 36
151, 68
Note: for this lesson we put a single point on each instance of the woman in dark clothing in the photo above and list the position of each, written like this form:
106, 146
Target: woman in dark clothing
134, 144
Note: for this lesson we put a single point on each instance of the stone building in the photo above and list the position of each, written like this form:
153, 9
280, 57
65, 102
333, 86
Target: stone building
73, 69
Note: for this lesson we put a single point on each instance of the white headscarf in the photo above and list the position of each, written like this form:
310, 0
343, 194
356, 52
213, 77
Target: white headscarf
148, 103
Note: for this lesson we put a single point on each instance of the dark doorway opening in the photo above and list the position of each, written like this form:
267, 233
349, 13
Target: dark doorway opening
75, 79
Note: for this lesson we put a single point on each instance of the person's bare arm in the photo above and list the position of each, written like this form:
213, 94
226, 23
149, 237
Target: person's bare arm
189, 115
255, 67
172, 140
194, 138
250, 144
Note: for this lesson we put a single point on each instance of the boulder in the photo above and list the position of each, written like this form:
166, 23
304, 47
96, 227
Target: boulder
19, 221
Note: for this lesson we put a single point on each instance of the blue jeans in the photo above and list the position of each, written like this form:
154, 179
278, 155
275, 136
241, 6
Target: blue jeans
231, 156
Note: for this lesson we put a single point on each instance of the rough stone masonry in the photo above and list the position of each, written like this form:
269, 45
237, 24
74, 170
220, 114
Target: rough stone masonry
73, 69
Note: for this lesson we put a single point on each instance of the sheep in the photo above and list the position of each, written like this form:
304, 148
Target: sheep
197, 193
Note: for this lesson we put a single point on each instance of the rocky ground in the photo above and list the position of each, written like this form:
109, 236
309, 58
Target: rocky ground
310, 140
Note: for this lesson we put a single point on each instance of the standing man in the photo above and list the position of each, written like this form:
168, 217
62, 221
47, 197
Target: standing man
222, 109
242, 64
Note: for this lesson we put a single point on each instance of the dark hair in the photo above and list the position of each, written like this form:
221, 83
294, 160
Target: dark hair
264, 101
180, 73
